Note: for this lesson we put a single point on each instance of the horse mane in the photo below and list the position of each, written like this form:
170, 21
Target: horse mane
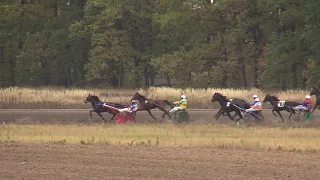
138, 94
273, 97
95, 98
224, 97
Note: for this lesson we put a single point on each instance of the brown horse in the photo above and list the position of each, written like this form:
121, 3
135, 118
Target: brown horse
146, 104
316, 92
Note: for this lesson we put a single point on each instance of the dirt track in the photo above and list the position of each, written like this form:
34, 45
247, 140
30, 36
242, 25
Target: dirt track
48, 161
82, 116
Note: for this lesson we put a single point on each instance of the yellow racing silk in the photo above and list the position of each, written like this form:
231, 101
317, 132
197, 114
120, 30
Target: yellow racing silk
183, 103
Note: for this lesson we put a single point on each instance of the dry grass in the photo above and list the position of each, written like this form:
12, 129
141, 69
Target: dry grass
15, 97
218, 136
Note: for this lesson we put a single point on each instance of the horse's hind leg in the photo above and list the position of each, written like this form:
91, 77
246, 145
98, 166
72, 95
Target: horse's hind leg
166, 113
101, 116
114, 115
151, 115
280, 115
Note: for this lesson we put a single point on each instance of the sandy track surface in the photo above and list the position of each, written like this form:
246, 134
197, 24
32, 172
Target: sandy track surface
65, 116
54, 161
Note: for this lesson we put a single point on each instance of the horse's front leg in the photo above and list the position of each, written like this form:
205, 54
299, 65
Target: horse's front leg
91, 113
315, 107
218, 112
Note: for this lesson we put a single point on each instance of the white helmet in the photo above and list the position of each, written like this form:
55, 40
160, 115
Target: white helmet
257, 99
183, 96
307, 97
255, 96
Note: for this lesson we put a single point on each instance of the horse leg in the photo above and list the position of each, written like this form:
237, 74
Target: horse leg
280, 115
273, 112
114, 115
228, 113
151, 115
101, 116
235, 115
165, 113
219, 112
91, 113
315, 107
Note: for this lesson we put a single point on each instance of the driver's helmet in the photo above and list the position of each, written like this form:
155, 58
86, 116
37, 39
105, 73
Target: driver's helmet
307, 97
183, 96
255, 96
134, 101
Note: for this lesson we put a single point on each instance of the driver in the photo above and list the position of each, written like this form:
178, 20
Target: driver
306, 105
132, 108
255, 106
254, 99
183, 104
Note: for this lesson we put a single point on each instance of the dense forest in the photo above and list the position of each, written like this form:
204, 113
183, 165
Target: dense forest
130, 43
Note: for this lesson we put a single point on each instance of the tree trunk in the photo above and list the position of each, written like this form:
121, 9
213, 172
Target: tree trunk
152, 76
1, 54
242, 63
121, 77
12, 69
136, 72
146, 77
294, 76
168, 81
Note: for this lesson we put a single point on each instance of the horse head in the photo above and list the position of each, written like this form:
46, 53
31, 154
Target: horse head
270, 98
218, 97
91, 99
138, 97
267, 98
314, 92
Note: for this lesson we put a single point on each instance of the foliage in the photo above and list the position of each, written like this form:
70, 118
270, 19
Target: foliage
227, 44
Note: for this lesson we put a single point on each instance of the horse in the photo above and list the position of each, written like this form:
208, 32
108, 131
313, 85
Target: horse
275, 108
98, 107
146, 104
234, 106
316, 92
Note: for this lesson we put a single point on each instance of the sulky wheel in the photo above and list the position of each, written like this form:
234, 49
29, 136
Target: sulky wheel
297, 118
180, 116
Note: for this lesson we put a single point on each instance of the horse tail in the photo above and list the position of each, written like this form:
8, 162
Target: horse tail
168, 103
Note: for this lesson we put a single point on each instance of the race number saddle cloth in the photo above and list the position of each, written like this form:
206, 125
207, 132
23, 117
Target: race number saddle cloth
299, 107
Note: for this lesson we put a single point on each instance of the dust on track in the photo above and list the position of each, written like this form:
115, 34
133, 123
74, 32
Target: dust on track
55, 161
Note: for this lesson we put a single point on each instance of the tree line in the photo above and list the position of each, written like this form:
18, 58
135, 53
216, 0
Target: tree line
226, 44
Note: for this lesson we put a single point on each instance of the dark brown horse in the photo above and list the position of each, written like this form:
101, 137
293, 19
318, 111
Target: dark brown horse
151, 104
288, 106
98, 107
316, 92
